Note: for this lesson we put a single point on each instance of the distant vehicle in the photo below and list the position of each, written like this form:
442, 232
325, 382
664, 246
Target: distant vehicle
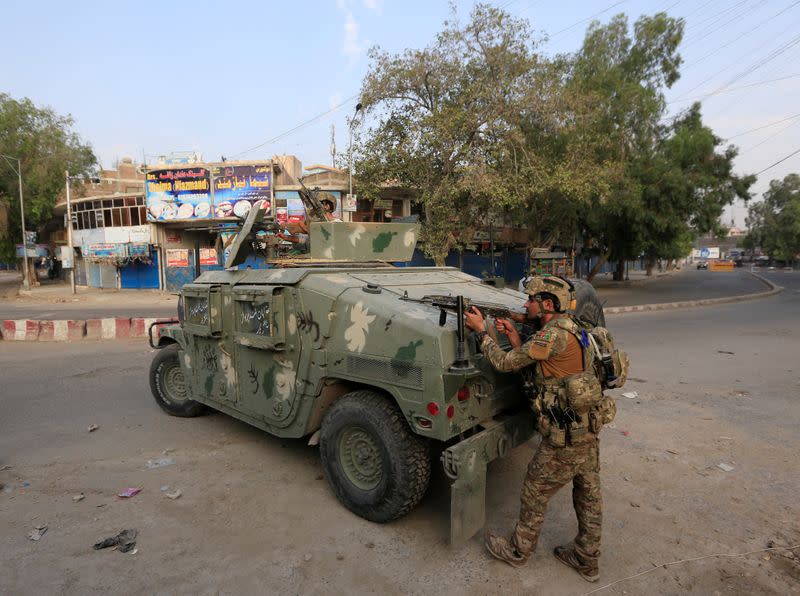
702, 265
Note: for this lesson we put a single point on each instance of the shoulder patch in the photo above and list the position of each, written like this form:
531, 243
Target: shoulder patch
542, 338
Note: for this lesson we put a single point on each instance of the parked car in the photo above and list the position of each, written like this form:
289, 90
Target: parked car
702, 265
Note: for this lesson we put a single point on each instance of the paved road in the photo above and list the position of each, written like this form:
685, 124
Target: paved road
689, 284
714, 385
56, 302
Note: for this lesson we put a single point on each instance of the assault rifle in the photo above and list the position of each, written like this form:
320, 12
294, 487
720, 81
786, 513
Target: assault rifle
450, 303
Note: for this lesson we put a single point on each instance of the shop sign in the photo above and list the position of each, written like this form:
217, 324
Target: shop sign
106, 250
237, 189
177, 257
136, 249
178, 194
140, 234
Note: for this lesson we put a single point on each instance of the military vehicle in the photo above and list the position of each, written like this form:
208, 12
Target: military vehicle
351, 351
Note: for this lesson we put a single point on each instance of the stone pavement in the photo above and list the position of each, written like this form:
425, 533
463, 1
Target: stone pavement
50, 312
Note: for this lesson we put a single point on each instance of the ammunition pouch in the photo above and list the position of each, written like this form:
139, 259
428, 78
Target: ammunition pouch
567, 408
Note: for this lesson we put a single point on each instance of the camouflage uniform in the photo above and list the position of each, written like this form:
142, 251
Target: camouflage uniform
556, 463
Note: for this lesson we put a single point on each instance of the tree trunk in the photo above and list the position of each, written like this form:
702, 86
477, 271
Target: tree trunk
649, 267
597, 266
619, 274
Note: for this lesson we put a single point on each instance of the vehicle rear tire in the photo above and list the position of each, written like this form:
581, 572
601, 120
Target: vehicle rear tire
589, 308
375, 465
168, 384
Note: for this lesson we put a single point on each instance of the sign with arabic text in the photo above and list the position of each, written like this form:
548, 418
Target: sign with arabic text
238, 188
178, 194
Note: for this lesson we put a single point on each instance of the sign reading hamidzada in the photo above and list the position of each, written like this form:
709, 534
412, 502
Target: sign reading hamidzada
178, 194
238, 188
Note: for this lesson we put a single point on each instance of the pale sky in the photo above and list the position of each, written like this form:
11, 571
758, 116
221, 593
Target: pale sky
149, 78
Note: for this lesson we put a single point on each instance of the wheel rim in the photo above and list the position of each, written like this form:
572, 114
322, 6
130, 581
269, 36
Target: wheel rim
361, 458
174, 383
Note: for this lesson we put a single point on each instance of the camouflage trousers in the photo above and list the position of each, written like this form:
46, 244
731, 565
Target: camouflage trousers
549, 470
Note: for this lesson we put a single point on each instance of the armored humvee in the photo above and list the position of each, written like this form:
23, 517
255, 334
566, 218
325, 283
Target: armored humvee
335, 347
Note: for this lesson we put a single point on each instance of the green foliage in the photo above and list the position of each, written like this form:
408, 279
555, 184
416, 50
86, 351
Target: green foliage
479, 124
774, 223
46, 147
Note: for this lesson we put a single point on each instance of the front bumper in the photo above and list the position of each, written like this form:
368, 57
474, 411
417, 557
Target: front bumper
465, 463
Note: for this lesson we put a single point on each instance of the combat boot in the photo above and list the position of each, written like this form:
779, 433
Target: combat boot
568, 556
501, 548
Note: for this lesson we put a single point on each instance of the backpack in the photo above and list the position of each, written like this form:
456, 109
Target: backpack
610, 362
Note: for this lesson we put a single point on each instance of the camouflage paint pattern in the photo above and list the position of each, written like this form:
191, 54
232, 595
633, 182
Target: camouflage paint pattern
363, 241
549, 470
273, 347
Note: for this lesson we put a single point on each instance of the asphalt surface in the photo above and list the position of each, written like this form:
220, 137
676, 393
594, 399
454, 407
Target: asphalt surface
687, 284
55, 301
711, 385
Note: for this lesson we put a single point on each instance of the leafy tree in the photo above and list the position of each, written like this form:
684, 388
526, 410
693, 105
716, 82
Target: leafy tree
46, 146
625, 77
685, 186
442, 112
774, 223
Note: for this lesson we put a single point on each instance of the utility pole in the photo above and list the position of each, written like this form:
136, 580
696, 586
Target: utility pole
26, 279
26, 273
333, 145
350, 149
69, 238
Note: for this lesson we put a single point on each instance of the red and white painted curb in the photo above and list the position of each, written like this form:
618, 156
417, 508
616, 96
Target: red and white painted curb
73, 329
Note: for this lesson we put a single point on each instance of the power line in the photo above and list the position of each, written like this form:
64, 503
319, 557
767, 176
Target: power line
298, 127
776, 52
756, 84
747, 132
739, 37
769, 138
597, 14
711, 30
779, 161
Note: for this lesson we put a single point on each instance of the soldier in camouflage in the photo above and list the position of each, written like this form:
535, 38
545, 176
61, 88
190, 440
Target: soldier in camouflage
566, 396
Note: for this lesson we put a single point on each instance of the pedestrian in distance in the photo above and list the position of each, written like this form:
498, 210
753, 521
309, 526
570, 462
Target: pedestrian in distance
557, 366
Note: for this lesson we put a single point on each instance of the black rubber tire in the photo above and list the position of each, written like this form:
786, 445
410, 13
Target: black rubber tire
161, 369
589, 308
405, 469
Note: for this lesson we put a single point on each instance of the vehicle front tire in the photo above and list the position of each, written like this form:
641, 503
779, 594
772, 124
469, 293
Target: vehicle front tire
168, 384
375, 465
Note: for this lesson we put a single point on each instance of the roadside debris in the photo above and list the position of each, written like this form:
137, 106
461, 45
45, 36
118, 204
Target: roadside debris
724, 352
625, 432
725, 467
129, 492
4, 468
91, 428
175, 494
159, 463
124, 541
37, 533
78, 497
167, 451
630, 395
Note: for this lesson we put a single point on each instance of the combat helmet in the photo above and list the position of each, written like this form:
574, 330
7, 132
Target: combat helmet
552, 286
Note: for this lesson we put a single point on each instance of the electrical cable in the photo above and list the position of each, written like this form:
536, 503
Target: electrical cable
298, 127
780, 49
756, 84
778, 162
712, 30
739, 37
741, 134
769, 138
597, 14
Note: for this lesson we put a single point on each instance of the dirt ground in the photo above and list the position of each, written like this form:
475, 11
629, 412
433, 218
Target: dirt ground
712, 386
